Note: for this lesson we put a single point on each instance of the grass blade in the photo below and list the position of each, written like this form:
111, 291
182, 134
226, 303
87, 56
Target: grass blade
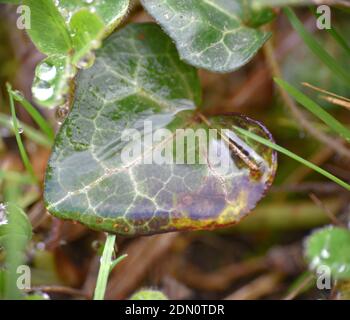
292, 155
335, 34
32, 134
35, 114
314, 108
21, 148
316, 48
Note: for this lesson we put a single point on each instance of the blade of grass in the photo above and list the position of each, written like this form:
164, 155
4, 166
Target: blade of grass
35, 114
292, 155
316, 48
335, 34
15, 176
21, 148
32, 134
314, 108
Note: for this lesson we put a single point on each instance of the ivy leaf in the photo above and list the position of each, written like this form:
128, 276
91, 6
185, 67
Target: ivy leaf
330, 247
138, 79
218, 35
48, 29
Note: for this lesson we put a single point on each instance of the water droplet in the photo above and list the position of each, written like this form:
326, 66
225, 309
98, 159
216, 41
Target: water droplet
325, 254
20, 130
87, 61
18, 95
61, 113
342, 268
3, 216
95, 44
42, 90
46, 71
96, 245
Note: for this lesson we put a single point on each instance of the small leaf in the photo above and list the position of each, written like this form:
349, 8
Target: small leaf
15, 232
330, 247
147, 294
14, 223
138, 78
217, 35
90, 21
85, 28
48, 29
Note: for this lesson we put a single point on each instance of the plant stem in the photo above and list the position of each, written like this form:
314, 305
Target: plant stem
21, 148
105, 267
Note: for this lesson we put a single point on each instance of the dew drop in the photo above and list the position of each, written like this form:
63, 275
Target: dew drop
325, 254
42, 90
87, 61
342, 268
3, 216
20, 130
46, 71
95, 44
62, 112
18, 94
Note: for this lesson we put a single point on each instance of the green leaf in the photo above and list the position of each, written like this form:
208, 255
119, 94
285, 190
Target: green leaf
212, 34
11, 1
313, 107
14, 223
330, 247
90, 21
86, 28
259, 4
15, 232
68, 32
48, 29
138, 78
147, 294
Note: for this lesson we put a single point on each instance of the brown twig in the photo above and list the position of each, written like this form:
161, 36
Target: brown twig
294, 293
61, 290
260, 287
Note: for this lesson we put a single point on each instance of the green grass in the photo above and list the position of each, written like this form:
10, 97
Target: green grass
292, 155
335, 34
316, 48
22, 150
314, 108
31, 133
35, 114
